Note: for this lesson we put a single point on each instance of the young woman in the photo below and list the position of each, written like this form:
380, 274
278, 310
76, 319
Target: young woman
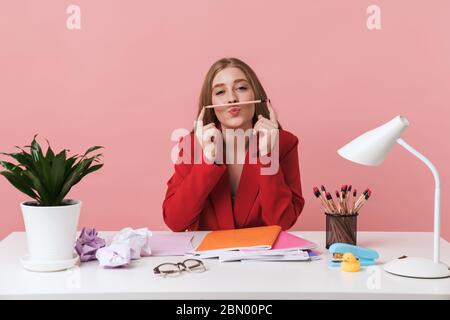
215, 195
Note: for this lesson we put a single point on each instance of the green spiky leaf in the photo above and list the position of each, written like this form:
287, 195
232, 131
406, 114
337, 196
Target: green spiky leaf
48, 178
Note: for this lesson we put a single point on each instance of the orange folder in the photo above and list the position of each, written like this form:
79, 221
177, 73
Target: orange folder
255, 238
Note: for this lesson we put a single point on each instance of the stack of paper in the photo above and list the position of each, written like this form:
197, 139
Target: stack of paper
295, 255
257, 238
170, 244
255, 244
287, 247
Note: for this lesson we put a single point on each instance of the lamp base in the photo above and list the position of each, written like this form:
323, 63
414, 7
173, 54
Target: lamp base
417, 268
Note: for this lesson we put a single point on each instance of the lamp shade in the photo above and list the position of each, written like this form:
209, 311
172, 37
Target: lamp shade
372, 147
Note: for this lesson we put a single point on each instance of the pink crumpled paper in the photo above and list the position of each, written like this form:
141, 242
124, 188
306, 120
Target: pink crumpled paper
88, 243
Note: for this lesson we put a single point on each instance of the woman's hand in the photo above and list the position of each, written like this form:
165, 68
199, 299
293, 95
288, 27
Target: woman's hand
206, 135
268, 131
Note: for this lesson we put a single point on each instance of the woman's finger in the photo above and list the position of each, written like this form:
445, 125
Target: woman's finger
201, 115
199, 122
257, 126
273, 115
266, 129
269, 122
204, 128
200, 134
261, 119
199, 129
209, 132
260, 128
209, 125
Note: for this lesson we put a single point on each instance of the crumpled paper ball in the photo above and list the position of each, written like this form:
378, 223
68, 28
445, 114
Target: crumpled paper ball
114, 255
88, 243
136, 239
126, 245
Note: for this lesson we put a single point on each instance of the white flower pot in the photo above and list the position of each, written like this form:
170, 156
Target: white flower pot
51, 234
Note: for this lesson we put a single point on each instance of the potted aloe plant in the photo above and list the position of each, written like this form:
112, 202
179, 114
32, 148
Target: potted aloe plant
50, 219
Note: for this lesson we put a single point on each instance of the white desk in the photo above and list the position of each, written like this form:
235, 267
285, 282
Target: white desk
232, 280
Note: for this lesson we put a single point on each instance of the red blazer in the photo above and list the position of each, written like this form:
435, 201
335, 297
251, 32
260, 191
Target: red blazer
198, 196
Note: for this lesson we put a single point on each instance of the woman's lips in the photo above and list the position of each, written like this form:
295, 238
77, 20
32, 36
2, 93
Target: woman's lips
234, 111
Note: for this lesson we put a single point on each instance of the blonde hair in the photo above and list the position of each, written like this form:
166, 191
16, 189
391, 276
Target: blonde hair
206, 92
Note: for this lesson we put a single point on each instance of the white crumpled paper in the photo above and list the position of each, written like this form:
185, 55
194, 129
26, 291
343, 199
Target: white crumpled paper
114, 255
126, 245
137, 240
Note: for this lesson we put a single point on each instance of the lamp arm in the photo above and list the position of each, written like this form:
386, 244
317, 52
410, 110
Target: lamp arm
437, 195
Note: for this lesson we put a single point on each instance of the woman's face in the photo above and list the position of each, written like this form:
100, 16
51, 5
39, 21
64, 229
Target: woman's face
231, 85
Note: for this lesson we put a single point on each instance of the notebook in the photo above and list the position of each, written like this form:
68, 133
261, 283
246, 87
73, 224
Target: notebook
288, 242
300, 255
260, 238
294, 255
170, 244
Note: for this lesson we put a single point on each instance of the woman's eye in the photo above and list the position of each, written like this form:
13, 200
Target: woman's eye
243, 88
219, 92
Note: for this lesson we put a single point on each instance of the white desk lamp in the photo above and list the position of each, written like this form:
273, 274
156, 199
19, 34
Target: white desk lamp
370, 149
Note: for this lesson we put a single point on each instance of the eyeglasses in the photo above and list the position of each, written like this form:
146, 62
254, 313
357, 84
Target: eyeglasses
175, 269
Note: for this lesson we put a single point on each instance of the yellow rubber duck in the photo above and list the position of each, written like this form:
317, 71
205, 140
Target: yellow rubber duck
350, 263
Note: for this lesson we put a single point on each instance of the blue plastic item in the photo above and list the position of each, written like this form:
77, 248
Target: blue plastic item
365, 256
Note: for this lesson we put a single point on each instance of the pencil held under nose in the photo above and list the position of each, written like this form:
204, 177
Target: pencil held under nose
236, 103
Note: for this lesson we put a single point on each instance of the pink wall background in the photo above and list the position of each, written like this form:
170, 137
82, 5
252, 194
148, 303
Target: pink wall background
133, 72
